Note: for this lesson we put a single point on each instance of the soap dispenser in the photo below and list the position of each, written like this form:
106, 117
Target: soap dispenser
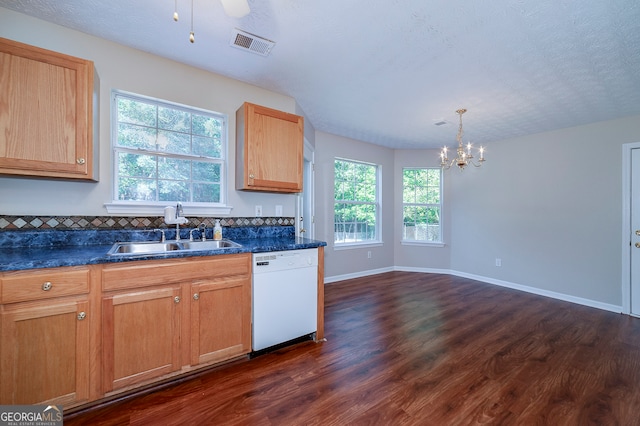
217, 230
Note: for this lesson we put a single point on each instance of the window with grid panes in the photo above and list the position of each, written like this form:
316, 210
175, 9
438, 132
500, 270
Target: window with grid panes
166, 152
357, 202
421, 204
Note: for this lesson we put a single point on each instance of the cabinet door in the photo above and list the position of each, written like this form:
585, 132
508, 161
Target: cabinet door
271, 143
46, 123
220, 319
141, 336
45, 350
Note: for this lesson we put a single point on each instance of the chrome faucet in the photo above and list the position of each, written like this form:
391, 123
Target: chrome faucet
178, 215
172, 216
203, 231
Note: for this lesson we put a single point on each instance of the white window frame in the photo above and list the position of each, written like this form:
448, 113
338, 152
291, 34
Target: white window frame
156, 208
439, 205
377, 241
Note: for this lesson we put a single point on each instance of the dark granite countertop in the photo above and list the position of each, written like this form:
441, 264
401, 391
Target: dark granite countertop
47, 249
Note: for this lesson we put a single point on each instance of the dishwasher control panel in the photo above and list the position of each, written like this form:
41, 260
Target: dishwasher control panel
280, 260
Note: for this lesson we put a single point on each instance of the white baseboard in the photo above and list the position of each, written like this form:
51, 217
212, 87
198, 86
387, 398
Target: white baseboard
507, 284
328, 280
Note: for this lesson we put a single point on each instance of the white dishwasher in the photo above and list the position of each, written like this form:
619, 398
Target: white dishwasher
285, 296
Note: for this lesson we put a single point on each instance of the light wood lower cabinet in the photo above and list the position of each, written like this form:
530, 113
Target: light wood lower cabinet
140, 336
220, 319
47, 350
201, 314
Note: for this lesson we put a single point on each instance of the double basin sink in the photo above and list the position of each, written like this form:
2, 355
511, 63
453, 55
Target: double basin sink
153, 247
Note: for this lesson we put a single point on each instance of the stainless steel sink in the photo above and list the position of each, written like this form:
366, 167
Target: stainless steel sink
210, 245
144, 247
153, 247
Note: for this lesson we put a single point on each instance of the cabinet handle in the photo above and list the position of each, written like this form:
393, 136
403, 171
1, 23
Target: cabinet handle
196, 296
80, 161
82, 315
637, 245
46, 286
251, 176
176, 299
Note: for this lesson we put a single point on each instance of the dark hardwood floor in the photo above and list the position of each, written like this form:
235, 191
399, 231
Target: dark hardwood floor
420, 349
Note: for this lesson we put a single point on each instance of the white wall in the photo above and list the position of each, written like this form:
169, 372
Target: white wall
348, 261
135, 71
550, 207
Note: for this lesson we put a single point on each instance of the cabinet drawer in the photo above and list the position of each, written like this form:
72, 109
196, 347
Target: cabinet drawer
43, 284
154, 272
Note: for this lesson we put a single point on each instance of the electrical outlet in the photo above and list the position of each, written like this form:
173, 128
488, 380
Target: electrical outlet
278, 210
498, 261
369, 254
258, 211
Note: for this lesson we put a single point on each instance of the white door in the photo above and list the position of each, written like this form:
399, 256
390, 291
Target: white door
635, 232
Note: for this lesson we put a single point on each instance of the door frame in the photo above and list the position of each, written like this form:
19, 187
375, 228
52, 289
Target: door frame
626, 225
307, 196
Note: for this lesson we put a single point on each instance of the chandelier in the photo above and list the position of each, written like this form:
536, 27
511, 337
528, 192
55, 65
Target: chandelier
464, 157
233, 8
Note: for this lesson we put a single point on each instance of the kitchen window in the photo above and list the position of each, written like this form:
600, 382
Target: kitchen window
164, 153
421, 205
357, 203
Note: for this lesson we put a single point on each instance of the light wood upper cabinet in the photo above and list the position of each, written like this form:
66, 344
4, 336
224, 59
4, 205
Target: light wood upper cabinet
46, 113
47, 337
269, 149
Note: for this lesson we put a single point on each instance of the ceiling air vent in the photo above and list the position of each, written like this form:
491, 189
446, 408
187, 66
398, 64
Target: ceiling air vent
247, 41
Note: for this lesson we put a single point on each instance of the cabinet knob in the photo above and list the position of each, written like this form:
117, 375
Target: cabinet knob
46, 286
196, 296
176, 299
251, 176
637, 245
82, 315
80, 161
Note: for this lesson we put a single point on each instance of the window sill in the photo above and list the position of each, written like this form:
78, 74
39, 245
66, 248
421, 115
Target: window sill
157, 209
349, 246
421, 243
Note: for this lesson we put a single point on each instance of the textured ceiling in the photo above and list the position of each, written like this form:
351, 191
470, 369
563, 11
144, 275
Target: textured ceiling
384, 71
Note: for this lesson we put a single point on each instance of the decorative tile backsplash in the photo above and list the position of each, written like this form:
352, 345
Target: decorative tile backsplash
120, 222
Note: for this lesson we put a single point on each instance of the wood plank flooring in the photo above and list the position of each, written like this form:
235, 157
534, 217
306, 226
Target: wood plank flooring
420, 349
